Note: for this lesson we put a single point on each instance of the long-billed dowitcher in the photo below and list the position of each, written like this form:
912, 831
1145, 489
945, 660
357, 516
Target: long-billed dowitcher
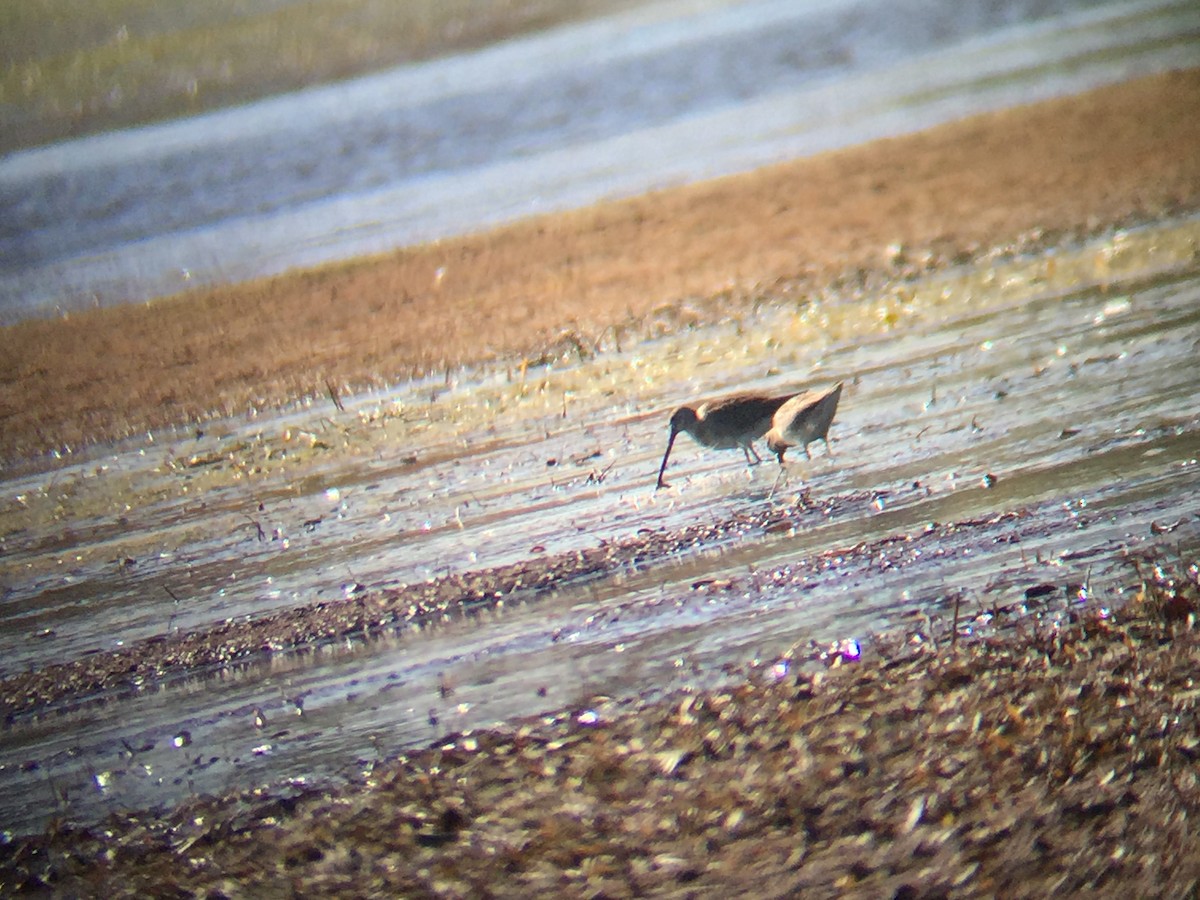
803, 419
725, 424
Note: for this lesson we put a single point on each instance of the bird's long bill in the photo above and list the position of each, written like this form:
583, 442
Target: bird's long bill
666, 456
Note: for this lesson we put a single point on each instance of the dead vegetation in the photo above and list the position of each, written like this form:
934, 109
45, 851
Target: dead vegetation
1057, 761
1073, 166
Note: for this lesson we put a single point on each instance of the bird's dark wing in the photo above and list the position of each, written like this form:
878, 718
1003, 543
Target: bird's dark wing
742, 414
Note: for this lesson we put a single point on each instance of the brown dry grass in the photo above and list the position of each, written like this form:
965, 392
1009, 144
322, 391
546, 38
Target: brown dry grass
1077, 163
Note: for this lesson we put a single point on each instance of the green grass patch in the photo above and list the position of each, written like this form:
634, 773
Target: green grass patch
74, 67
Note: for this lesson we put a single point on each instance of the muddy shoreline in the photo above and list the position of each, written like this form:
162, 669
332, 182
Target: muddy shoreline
1065, 744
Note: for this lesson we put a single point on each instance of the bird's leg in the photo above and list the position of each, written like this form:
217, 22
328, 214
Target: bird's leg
749, 450
828, 449
807, 455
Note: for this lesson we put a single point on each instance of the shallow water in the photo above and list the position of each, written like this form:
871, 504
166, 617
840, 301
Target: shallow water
1059, 375
670, 92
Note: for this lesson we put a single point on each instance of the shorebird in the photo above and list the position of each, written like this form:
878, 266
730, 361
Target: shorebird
725, 424
803, 419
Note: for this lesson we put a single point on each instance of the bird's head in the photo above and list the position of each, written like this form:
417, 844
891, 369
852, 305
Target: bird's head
683, 419
777, 445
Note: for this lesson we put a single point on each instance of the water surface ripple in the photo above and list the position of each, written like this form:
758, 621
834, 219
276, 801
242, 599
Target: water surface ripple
666, 93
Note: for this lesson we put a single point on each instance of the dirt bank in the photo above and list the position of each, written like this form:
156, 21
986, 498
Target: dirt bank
1114, 155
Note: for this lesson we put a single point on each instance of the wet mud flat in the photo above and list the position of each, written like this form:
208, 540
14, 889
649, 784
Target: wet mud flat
1015, 456
154, 663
